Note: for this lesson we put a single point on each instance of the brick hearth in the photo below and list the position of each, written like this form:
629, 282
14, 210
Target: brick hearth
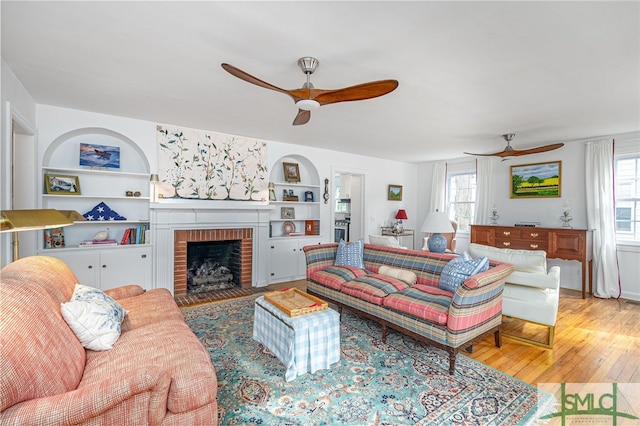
182, 237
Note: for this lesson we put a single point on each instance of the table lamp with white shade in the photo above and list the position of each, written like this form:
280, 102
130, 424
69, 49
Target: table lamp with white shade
437, 223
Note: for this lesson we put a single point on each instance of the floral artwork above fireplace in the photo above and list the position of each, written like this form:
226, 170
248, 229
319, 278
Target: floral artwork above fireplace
206, 165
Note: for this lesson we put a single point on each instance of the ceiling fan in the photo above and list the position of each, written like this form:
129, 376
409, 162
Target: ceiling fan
508, 151
308, 98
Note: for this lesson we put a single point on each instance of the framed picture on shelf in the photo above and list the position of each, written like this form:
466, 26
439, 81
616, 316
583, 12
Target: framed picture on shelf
53, 238
308, 196
287, 213
537, 180
394, 193
99, 156
291, 172
63, 185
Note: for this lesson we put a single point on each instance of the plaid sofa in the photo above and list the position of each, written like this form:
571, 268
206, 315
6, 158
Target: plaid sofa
422, 310
157, 373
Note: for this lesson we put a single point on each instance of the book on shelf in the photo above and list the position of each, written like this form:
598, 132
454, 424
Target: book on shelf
136, 235
92, 243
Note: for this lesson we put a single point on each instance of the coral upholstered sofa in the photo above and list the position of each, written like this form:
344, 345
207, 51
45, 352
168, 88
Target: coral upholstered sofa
156, 373
402, 289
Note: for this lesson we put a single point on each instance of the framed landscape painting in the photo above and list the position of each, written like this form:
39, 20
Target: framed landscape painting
537, 180
394, 193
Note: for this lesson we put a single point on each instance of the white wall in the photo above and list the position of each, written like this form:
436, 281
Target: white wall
19, 106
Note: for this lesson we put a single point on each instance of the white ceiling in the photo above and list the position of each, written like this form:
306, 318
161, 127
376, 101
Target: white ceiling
468, 71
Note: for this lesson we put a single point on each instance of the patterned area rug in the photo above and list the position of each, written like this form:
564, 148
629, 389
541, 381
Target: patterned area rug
402, 382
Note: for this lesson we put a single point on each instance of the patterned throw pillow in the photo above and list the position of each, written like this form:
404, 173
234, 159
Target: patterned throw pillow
94, 317
350, 254
459, 269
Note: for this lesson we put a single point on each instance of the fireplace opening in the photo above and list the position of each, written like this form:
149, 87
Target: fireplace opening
213, 265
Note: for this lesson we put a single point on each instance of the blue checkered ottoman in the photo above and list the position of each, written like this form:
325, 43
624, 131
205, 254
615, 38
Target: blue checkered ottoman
306, 343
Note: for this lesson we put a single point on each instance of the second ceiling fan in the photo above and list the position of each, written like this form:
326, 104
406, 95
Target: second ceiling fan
308, 98
508, 151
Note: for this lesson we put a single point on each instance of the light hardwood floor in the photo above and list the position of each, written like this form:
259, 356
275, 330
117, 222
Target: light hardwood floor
596, 341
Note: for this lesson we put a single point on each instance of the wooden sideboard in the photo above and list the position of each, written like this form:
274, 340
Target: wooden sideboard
559, 243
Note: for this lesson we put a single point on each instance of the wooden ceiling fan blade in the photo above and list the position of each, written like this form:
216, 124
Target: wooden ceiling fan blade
518, 152
539, 149
242, 75
358, 92
302, 117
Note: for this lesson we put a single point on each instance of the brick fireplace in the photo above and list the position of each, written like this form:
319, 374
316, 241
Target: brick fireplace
185, 236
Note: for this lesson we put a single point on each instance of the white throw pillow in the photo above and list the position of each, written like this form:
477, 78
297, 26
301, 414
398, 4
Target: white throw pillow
94, 317
408, 277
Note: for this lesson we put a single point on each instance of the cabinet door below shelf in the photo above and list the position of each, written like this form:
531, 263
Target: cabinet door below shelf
123, 267
109, 268
83, 265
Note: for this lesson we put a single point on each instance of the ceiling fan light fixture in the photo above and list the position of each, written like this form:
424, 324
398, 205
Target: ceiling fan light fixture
308, 104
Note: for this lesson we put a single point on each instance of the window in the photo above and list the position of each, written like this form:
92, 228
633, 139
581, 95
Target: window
461, 199
627, 177
340, 206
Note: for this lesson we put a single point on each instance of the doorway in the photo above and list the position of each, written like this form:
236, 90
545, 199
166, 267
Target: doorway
348, 204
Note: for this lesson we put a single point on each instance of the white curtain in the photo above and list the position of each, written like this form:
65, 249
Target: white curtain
601, 217
438, 187
484, 171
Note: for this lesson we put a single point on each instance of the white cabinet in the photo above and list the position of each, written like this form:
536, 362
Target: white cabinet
287, 258
109, 268
345, 186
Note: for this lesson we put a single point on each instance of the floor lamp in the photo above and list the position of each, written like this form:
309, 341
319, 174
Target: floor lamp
15, 221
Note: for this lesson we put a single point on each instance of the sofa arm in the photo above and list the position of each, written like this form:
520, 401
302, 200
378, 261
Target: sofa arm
319, 256
124, 291
476, 305
87, 402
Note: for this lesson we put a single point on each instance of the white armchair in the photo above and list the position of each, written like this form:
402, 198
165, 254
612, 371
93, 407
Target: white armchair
532, 292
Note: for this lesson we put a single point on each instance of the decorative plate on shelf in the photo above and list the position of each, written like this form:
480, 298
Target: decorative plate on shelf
288, 227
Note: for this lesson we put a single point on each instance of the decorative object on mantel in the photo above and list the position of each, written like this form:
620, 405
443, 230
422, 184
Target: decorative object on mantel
325, 196
508, 151
566, 215
154, 180
400, 216
537, 180
437, 223
212, 166
494, 215
103, 212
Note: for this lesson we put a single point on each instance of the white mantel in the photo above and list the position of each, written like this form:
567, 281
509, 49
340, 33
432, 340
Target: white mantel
170, 215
